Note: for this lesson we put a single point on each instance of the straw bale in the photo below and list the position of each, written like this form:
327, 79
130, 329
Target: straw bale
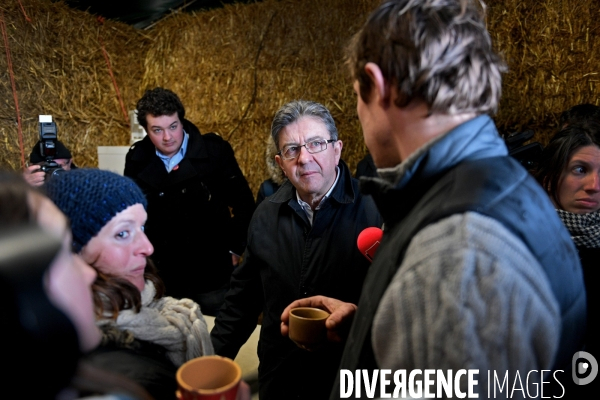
60, 70
552, 51
234, 67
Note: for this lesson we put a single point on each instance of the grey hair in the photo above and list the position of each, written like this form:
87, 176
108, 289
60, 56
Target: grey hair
436, 51
294, 110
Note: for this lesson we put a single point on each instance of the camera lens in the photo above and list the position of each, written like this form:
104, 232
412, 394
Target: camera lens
57, 171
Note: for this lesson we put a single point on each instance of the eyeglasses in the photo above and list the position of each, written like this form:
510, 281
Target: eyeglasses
291, 151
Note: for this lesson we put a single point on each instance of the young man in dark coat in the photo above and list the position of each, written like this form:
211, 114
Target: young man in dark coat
199, 203
301, 242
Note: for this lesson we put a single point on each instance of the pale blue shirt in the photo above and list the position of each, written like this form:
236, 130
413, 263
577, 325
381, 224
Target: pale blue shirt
306, 207
172, 162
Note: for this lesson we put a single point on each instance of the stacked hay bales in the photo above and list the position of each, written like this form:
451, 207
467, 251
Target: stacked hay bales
60, 69
233, 67
552, 49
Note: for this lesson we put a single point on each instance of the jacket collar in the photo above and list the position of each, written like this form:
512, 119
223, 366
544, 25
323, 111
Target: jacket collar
196, 145
397, 188
472, 140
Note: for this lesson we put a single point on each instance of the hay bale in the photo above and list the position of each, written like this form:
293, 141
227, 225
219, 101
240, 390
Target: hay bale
551, 49
234, 67
60, 70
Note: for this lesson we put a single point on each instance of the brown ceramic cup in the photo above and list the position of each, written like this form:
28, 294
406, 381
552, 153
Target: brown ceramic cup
208, 378
307, 327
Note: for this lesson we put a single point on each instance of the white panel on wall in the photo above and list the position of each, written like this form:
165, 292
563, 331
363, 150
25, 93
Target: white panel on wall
112, 158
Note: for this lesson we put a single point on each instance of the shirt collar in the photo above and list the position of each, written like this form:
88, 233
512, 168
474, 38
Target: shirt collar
172, 162
306, 207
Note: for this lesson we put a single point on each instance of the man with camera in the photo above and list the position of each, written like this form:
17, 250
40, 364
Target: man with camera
39, 166
49, 155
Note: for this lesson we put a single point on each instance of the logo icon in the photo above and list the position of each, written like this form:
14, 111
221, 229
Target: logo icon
583, 363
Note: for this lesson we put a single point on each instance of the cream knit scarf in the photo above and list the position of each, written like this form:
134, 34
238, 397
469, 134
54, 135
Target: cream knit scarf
176, 325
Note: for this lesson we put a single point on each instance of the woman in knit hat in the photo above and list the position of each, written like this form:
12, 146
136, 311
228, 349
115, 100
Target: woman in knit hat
46, 296
107, 214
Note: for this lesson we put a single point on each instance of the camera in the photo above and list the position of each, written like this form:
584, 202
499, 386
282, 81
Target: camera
51, 168
48, 138
527, 154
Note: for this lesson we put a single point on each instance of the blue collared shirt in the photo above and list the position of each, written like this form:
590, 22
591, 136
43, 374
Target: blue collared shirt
172, 162
307, 208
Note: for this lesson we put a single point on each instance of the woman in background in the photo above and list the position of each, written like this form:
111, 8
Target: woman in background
276, 177
569, 170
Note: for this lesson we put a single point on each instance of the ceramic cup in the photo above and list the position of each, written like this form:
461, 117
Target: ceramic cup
208, 378
307, 327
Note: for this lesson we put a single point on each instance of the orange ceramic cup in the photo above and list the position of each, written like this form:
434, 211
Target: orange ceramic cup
307, 327
208, 378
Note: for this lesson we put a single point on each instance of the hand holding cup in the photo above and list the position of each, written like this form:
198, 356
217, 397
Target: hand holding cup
337, 324
307, 327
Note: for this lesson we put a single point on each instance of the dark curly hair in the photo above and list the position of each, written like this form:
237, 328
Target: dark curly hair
579, 113
158, 102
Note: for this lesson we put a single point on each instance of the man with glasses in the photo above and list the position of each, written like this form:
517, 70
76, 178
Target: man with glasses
301, 242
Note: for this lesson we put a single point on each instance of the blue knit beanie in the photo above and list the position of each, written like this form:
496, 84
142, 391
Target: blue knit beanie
90, 198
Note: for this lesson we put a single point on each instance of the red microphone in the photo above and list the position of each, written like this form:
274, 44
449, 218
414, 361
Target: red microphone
368, 241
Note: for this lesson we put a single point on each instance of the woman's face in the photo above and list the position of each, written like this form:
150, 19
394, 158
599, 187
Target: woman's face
69, 279
121, 247
579, 186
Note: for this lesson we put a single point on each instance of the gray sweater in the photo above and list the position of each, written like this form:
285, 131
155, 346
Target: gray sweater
466, 291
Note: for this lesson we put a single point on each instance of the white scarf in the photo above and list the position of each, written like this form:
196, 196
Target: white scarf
176, 325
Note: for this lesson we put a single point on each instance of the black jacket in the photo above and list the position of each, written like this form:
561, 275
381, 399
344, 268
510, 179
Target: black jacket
189, 221
266, 189
590, 262
143, 362
286, 260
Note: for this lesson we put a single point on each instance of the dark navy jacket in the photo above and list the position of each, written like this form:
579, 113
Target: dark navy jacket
288, 259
